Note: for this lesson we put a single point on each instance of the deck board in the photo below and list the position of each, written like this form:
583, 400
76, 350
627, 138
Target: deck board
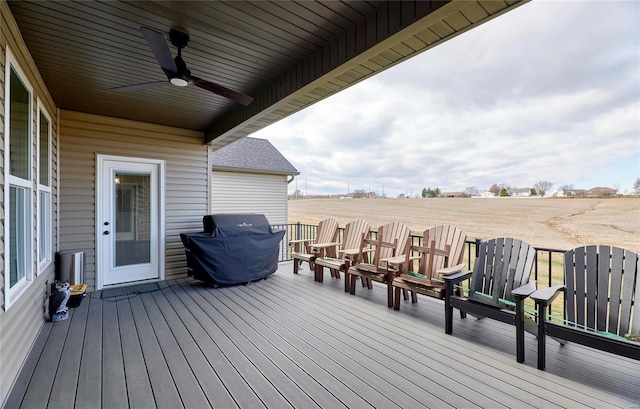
66, 380
39, 390
436, 363
114, 385
261, 386
139, 392
292, 342
356, 356
164, 389
412, 352
353, 339
197, 323
500, 351
26, 374
89, 391
266, 359
183, 377
213, 390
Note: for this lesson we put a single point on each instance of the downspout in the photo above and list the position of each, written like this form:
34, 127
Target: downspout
209, 180
58, 190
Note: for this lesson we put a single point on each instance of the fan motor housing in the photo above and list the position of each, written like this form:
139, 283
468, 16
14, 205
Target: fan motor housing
178, 38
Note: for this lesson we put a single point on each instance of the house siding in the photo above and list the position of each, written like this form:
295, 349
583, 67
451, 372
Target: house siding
235, 192
22, 321
83, 136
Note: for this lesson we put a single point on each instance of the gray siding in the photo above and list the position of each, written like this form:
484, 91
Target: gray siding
234, 192
21, 323
83, 136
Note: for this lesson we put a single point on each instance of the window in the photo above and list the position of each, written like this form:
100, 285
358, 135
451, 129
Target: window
19, 185
44, 189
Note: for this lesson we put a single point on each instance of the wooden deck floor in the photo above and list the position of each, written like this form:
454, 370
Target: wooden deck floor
291, 342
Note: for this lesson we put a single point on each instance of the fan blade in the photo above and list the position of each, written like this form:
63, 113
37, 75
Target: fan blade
160, 48
137, 87
223, 91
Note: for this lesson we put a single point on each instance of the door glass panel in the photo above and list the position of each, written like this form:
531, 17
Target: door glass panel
132, 218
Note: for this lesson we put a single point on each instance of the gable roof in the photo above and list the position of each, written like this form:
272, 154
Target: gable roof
252, 155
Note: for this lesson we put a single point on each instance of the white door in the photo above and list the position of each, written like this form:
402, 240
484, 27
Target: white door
129, 228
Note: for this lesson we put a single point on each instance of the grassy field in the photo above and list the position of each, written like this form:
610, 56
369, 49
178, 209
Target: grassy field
548, 223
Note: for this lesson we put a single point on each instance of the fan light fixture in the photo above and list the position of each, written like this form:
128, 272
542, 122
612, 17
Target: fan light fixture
180, 82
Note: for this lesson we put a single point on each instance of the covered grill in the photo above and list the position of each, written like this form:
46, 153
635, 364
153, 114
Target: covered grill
233, 249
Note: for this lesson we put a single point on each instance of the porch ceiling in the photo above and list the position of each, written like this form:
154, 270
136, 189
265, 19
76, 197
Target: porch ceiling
287, 55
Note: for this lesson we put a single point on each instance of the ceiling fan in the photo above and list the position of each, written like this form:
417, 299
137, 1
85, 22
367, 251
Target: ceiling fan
175, 68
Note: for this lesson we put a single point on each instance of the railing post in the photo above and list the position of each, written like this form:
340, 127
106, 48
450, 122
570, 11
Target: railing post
298, 231
550, 268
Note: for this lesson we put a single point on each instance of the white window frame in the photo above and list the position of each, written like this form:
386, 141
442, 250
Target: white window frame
19, 288
44, 260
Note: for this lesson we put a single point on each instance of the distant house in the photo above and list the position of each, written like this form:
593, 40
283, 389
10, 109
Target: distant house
601, 192
484, 194
575, 193
571, 193
524, 192
453, 194
251, 176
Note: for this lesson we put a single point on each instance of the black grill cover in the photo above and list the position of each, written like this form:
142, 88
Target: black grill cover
233, 249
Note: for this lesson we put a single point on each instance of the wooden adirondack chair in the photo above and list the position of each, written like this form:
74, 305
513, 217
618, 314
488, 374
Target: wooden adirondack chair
441, 254
498, 285
389, 254
601, 302
309, 249
354, 234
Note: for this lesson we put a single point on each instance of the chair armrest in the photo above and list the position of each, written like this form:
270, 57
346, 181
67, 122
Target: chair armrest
355, 252
526, 290
547, 295
300, 241
450, 270
323, 245
457, 277
394, 261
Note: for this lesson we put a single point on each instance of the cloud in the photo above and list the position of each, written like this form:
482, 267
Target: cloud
549, 91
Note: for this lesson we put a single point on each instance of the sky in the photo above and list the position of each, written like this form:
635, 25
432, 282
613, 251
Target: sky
549, 91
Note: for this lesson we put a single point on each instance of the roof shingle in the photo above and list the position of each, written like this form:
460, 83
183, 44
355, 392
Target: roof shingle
252, 155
